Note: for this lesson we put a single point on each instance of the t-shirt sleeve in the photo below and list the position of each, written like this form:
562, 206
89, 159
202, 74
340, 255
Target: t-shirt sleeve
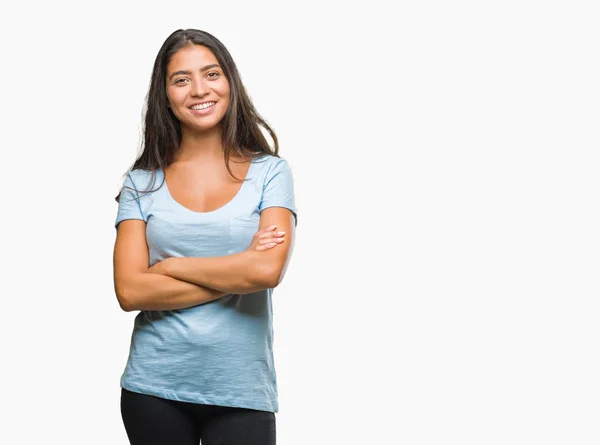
278, 190
130, 206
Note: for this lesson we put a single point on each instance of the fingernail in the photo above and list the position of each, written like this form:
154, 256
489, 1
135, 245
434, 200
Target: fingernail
280, 233
272, 227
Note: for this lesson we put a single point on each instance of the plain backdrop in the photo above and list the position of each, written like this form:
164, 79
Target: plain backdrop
444, 284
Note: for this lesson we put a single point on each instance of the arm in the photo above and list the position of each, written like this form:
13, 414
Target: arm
243, 272
138, 289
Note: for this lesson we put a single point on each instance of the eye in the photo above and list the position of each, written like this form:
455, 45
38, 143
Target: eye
216, 74
181, 80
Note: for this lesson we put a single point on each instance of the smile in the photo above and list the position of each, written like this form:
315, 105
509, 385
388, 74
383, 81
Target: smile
203, 106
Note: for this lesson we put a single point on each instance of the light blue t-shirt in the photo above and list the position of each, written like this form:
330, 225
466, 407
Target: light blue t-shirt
221, 352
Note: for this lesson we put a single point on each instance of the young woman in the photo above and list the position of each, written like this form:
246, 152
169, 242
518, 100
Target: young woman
205, 231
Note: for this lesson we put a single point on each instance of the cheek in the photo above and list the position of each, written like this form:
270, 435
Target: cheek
225, 106
225, 102
224, 91
175, 111
174, 98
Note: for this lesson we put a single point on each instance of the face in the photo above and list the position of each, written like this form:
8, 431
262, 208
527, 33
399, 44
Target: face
197, 89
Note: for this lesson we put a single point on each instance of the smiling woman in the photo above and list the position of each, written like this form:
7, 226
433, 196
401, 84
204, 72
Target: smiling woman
200, 254
193, 72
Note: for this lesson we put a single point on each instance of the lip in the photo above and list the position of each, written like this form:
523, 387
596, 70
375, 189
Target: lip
203, 111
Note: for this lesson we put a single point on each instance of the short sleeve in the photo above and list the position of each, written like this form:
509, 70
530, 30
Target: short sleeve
278, 189
129, 202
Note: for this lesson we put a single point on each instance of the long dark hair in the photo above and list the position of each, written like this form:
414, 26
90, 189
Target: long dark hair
162, 130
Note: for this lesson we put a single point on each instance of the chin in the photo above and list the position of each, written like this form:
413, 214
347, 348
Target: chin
195, 127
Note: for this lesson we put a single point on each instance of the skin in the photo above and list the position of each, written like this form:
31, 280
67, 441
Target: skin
198, 179
194, 75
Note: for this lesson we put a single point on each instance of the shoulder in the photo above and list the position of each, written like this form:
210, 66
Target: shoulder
140, 175
274, 177
269, 164
143, 179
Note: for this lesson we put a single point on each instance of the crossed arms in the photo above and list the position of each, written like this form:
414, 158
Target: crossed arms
177, 283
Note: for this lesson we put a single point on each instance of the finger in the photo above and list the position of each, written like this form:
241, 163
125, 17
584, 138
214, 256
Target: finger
265, 246
270, 240
268, 229
271, 233
265, 230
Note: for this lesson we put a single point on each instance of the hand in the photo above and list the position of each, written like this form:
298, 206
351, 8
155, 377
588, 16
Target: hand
266, 239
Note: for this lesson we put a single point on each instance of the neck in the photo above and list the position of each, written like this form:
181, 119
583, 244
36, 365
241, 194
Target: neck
201, 147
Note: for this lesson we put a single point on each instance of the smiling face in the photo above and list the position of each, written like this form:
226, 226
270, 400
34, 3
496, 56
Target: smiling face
197, 89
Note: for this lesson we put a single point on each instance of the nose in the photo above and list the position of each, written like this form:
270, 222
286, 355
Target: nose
199, 88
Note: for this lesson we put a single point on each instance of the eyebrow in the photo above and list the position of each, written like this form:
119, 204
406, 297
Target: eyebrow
204, 68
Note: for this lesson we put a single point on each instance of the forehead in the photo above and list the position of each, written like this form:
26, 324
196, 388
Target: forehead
192, 57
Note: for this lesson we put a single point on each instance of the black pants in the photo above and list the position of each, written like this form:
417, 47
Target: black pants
152, 420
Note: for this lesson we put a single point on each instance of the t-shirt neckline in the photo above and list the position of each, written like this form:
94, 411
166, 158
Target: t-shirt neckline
220, 209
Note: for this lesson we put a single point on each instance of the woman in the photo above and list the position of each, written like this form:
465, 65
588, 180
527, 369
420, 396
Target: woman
218, 232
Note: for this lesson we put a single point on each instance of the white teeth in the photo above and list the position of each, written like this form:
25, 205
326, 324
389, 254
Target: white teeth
203, 106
